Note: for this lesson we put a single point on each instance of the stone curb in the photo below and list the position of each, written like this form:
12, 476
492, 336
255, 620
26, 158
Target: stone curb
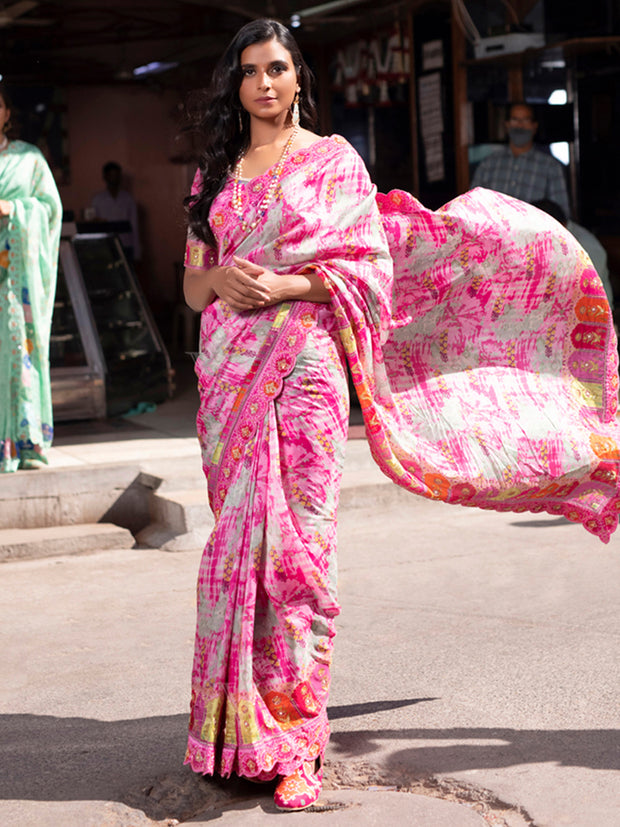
30, 543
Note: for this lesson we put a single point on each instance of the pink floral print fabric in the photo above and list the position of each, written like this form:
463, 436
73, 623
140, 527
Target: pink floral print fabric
481, 347
497, 384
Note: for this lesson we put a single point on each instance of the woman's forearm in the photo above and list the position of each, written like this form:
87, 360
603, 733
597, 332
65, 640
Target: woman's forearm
302, 287
197, 288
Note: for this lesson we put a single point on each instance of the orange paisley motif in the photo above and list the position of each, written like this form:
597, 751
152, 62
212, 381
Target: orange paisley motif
604, 447
438, 484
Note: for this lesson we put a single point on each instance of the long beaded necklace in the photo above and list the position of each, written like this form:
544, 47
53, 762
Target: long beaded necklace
275, 174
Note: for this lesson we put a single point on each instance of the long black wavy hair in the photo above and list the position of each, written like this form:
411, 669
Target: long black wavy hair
223, 126
11, 130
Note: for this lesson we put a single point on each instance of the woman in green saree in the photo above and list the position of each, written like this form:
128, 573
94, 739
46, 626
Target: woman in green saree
30, 219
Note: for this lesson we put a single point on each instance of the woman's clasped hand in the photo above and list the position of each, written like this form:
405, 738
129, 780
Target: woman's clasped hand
244, 286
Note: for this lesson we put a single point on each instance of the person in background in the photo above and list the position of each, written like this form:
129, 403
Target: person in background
116, 204
30, 220
521, 170
588, 241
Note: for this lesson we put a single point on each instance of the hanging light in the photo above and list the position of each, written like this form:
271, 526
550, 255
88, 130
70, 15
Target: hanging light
154, 68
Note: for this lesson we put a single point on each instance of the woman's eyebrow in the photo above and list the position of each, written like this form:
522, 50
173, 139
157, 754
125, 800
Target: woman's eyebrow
273, 63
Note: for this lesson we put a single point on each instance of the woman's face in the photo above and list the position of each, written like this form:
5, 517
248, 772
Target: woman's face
269, 81
5, 114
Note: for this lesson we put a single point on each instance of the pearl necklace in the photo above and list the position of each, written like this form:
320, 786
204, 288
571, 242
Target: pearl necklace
275, 174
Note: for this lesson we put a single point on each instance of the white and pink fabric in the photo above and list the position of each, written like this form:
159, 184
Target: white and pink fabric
483, 353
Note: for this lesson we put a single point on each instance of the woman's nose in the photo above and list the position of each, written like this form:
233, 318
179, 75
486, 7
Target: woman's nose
264, 80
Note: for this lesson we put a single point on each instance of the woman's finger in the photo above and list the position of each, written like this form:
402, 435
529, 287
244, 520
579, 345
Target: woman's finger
253, 288
236, 276
241, 306
248, 266
249, 297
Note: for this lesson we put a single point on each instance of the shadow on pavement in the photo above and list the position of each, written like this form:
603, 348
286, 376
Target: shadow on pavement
544, 523
56, 759
69, 759
593, 748
353, 710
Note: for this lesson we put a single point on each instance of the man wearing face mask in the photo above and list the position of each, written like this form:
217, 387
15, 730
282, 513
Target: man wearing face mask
520, 169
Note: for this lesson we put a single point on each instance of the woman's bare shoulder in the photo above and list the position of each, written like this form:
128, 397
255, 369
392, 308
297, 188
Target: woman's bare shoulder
305, 138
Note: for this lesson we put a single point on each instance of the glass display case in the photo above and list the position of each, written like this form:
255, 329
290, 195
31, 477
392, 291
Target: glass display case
77, 368
103, 328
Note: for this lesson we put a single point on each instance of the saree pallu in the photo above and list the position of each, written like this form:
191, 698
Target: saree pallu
29, 240
481, 347
496, 385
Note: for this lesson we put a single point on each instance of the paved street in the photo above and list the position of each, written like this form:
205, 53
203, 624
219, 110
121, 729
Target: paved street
475, 679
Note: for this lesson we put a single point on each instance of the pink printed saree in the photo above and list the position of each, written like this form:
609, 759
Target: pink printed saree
481, 347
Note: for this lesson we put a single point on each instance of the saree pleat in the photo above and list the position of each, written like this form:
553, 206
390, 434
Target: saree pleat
267, 582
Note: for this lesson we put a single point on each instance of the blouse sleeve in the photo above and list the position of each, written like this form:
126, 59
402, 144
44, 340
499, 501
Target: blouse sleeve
198, 255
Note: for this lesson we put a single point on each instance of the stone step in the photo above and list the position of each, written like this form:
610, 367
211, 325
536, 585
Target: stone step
181, 520
50, 541
182, 511
114, 493
163, 503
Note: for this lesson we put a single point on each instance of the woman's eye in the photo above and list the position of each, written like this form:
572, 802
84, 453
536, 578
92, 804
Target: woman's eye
278, 69
248, 72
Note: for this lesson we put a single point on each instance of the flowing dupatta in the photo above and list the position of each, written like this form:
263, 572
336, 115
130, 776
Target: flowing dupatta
493, 382
29, 240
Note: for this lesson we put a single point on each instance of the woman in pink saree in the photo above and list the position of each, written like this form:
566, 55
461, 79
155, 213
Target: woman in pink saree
482, 350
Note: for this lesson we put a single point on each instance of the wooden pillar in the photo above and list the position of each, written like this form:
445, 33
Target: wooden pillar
413, 110
324, 92
519, 8
515, 83
459, 85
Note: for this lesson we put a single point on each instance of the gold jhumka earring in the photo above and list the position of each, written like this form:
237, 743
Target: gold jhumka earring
295, 111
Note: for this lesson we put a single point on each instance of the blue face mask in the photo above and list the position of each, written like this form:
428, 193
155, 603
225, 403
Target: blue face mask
519, 136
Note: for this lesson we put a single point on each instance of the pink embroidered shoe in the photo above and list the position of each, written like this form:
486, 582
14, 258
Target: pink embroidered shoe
301, 789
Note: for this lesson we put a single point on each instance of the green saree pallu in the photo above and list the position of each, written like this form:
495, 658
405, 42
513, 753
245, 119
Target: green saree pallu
29, 238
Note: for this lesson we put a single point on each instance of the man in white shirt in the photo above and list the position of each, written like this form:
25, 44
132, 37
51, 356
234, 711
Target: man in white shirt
116, 204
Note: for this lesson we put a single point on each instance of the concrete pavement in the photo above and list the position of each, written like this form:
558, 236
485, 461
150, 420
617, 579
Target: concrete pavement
475, 676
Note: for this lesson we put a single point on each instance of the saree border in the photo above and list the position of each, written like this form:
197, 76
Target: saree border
279, 754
